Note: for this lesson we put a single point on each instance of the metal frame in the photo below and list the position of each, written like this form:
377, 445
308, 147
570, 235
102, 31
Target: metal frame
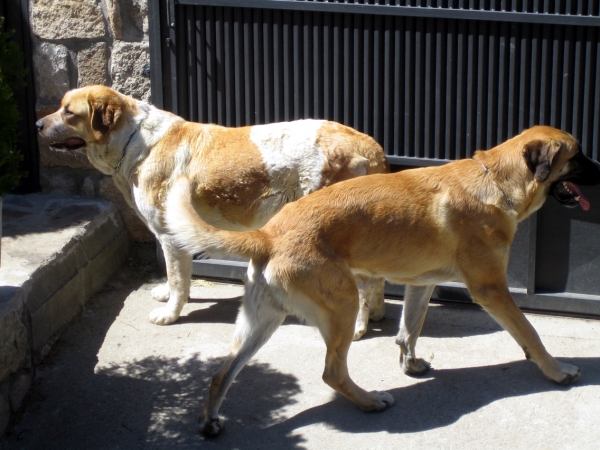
405, 11
16, 13
526, 259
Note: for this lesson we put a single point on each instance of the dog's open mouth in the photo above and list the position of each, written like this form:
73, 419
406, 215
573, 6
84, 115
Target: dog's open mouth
570, 195
70, 144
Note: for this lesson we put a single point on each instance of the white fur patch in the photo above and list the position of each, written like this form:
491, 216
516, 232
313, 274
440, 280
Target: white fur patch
290, 154
293, 161
153, 123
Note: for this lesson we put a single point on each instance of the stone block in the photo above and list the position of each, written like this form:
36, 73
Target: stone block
75, 159
87, 188
52, 180
138, 231
13, 343
113, 14
42, 111
91, 239
19, 389
92, 64
51, 318
56, 313
102, 267
67, 19
51, 71
100, 234
52, 277
129, 60
128, 19
5, 412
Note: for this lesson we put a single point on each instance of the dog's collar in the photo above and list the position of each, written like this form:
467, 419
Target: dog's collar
507, 199
118, 166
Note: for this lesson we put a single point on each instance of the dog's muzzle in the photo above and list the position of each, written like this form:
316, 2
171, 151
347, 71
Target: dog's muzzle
586, 172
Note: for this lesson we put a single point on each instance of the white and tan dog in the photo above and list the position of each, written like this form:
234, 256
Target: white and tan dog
417, 227
240, 177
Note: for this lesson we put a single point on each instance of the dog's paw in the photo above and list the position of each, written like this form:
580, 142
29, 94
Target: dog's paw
414, 366
380, 401
163, 316
210, 427
378, 311
565, 374
161, 292
359, 332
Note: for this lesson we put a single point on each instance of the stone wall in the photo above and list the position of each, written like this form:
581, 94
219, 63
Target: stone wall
79, 43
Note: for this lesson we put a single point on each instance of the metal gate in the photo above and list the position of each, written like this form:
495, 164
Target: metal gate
430, 80
16, 14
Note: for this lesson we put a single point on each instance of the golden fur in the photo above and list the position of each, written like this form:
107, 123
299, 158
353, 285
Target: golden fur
239, 177
417, 227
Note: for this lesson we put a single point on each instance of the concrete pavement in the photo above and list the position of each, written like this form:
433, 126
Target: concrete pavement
113, 380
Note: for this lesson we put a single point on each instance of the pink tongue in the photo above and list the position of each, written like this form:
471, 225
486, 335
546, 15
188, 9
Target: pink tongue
583, 202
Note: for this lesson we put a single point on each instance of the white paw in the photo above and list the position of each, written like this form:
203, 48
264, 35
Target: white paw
414, 366
161, 292
378, 312
163, 316
381, 400
567, 374
359, 332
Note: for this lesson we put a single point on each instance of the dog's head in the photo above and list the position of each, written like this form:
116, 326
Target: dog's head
555, 160
86, 117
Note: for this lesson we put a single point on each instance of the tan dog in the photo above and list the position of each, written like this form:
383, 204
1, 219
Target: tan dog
240, 177
417, 227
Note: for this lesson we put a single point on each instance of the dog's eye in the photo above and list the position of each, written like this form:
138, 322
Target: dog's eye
68, 113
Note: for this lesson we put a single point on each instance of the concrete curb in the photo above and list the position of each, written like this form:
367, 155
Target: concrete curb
57, 251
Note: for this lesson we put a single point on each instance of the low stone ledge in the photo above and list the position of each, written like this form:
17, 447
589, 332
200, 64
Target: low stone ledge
57, 250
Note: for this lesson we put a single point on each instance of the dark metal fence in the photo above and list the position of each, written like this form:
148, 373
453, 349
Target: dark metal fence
431, 80
16, 16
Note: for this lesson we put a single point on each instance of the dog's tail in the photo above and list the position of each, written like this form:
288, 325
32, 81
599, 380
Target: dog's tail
194, 235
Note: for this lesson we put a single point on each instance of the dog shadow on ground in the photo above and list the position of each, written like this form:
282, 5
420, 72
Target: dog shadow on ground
222, 310
154, 402
443, 399
443, 319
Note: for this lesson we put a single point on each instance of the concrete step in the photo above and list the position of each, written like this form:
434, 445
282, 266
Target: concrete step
57, 251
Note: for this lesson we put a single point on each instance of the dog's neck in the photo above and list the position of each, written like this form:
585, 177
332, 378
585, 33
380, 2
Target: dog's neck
124, 151
505, 196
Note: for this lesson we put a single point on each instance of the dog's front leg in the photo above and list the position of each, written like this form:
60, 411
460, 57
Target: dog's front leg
416, 302
497, 301
371, 303
177, 288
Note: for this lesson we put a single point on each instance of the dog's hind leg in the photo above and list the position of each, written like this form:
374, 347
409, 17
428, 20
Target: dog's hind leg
257, 321
371, 303
179, 274
377, 304
416, 301
336, 325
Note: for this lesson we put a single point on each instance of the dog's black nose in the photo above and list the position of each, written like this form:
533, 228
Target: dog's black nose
39, 125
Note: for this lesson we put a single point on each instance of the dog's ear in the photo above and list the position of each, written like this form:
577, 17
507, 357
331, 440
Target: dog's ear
539, 156
105, 113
